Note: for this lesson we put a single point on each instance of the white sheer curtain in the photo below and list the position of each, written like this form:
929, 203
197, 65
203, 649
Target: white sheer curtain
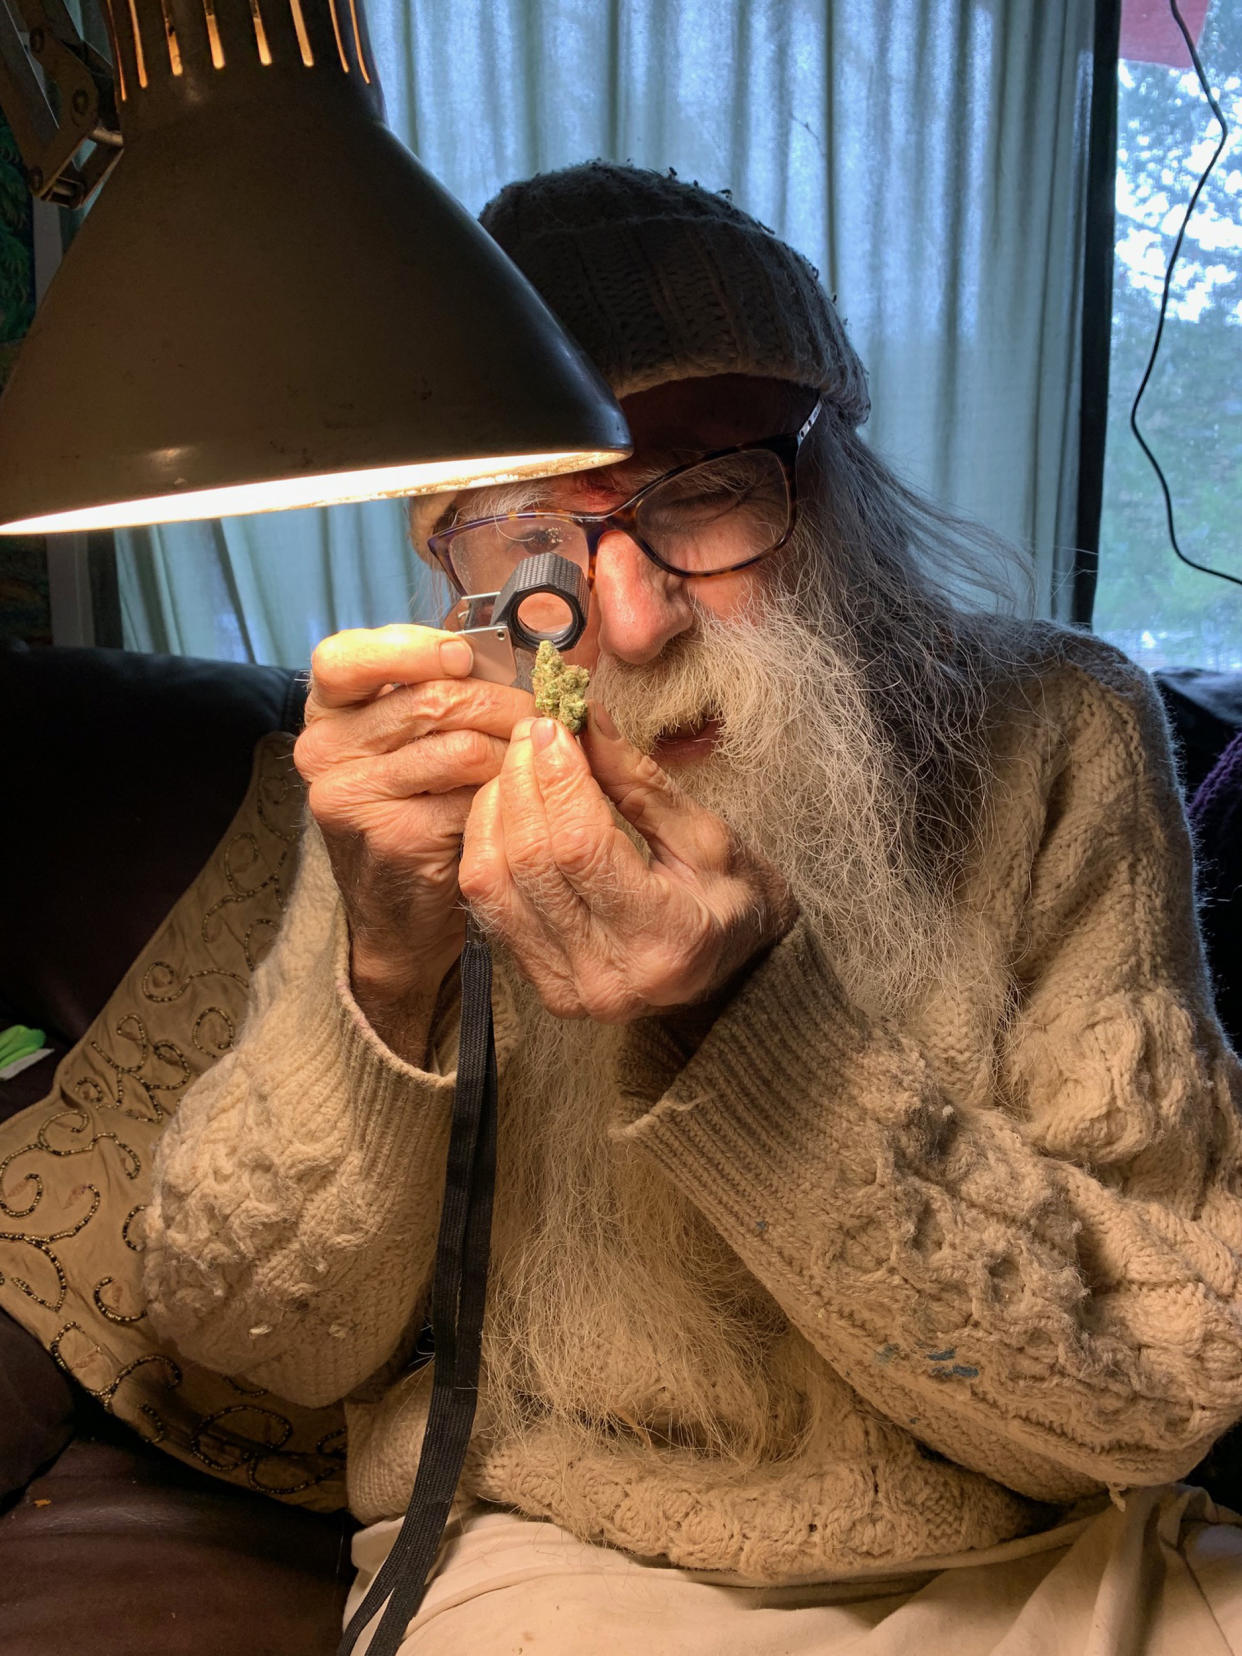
927, 155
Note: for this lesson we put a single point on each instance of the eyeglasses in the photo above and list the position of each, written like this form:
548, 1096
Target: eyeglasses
711, 516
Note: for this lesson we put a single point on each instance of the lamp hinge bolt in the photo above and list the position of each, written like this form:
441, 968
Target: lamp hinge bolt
80, 102
34, 179
38, 40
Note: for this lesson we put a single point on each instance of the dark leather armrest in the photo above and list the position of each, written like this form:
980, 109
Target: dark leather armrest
126, 770
36, 1408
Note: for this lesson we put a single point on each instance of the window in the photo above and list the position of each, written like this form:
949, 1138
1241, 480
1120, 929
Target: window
1158, 610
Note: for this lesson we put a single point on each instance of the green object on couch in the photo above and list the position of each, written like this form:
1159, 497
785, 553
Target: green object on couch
19, 1042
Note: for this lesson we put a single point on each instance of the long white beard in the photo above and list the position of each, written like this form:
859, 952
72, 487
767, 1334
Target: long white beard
615, 1308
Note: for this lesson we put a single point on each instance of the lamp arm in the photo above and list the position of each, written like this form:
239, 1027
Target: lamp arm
86, 100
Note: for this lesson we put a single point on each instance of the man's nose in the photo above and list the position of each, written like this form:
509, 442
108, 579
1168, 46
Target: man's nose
640, 606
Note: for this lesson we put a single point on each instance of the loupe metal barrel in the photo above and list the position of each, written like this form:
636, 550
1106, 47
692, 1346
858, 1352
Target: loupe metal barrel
545, 598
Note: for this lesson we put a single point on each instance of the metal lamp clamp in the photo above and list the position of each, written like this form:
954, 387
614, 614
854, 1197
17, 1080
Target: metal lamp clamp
49, 139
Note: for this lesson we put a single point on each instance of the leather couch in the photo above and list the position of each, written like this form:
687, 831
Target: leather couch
124, 771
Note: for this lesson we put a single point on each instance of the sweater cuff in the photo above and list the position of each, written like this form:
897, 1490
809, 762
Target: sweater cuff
393, 1102
343, 1083
393, 1098
741, 1121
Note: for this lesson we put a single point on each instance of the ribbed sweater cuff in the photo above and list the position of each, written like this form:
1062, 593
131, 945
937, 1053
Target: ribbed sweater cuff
313, 1047
742, 1121
396, 1108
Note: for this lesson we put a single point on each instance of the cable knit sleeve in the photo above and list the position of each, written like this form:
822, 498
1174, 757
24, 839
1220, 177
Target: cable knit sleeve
292, 1228
1039, 1279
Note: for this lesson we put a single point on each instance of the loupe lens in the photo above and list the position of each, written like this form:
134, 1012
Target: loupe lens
544, 614
546, 597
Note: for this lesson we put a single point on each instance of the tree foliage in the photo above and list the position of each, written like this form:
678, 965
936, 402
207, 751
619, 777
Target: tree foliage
1150, 603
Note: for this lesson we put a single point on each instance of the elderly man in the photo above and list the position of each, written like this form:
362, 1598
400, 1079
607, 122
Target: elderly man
868, 1202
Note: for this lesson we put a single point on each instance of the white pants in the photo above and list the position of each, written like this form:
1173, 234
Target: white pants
1163, 1577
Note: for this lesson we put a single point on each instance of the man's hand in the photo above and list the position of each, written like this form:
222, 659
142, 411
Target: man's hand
398, 740
598, 931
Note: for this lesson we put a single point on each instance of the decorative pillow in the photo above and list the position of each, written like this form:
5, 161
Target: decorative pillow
75, 1169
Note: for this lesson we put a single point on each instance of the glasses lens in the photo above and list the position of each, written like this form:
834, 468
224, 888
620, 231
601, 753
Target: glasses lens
484, 555
719, 514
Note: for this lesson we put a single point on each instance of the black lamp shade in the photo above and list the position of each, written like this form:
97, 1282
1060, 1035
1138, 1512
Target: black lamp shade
272, 296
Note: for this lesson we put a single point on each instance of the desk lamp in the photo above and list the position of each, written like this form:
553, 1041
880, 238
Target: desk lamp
271, 303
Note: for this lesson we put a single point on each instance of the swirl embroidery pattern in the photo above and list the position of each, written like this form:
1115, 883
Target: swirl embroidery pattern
75, 1169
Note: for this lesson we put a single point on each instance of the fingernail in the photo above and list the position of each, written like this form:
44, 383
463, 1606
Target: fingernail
543, 733
521, 730
456, 657
603, 721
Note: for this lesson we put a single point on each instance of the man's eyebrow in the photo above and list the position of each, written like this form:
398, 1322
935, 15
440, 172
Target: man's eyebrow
631, 475
626, 478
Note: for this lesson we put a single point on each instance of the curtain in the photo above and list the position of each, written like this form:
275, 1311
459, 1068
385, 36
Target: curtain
928, 156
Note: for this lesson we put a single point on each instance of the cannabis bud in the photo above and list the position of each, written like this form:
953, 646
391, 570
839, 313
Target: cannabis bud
560, 690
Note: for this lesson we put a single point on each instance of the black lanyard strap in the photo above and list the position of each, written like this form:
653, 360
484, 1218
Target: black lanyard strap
458, 1294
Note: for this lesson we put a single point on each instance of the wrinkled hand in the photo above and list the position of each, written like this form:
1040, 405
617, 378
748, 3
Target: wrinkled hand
597, 930
397, 742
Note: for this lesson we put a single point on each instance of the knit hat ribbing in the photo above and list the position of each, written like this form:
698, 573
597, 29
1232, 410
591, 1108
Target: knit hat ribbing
660, 280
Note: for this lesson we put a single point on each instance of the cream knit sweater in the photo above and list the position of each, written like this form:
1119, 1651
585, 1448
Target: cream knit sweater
1005, 1234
